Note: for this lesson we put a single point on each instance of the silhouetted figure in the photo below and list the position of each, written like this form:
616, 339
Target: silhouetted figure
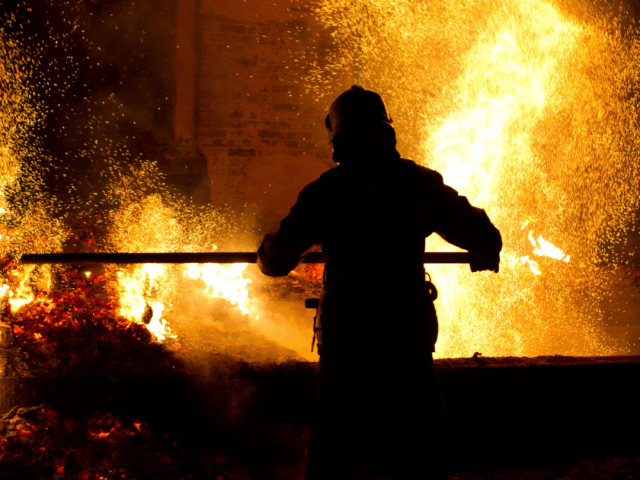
377, 404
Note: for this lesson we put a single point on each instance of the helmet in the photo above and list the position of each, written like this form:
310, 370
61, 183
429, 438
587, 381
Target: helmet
357, 108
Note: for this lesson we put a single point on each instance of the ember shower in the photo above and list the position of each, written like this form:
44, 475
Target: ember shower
526, 107
529, 108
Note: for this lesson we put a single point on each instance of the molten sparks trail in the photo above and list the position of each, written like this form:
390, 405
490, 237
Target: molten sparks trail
528, 108
25, 221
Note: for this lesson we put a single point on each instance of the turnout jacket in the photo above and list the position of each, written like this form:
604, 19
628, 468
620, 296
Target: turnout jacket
372, 220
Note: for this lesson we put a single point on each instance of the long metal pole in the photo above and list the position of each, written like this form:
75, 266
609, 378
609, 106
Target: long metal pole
203, 257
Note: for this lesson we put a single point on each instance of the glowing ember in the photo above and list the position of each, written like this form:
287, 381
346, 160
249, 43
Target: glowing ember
529, 110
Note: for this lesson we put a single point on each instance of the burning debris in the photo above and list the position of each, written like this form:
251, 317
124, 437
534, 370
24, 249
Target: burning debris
73, 349
76, 333
77, 330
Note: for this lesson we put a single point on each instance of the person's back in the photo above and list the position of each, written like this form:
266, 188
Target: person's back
371, 214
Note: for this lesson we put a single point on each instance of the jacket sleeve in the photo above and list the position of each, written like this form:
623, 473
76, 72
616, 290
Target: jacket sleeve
283, 250
460, 223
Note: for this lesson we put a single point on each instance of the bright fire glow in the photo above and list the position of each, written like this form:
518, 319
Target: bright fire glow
153, 224
21, 294
158, 326
529, 109
222, 281
137, 288
544, 248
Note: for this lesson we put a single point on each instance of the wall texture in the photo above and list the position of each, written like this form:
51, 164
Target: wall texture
262, 135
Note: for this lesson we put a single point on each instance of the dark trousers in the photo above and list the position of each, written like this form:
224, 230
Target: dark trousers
376, 415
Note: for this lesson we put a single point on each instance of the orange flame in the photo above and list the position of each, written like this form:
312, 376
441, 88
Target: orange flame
527, 111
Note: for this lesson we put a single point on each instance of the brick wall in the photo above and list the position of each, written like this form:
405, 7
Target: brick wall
262, 136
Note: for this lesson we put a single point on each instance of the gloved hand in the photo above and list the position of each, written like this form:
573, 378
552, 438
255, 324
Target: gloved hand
479, 263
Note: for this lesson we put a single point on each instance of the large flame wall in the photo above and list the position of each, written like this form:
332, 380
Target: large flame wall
529, 109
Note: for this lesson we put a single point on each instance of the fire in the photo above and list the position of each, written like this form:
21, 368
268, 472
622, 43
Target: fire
533, 265
138, 290
157, 325
147, 217
222, 281
152, 223
544, 248
528, 109
26, 224
22, 294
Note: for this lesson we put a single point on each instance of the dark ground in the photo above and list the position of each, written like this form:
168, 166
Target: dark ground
221, 418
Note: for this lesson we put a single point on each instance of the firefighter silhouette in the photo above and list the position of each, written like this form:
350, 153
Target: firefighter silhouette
376, 408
